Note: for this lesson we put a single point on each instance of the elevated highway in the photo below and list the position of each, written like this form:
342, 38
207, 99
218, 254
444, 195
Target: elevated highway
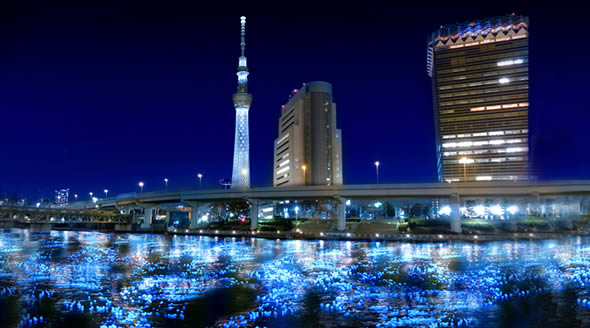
454, 193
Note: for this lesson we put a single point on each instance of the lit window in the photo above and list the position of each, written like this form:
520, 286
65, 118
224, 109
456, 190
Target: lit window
510, 62
504, 80
483, 178
284, 169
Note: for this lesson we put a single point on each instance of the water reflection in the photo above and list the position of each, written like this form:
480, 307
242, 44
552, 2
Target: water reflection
91, 279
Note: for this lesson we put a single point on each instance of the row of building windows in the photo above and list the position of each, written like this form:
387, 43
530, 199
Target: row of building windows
466, 66
495, 116
486, 151
494, 142
484, 134
485, 91
441, 80
487, 160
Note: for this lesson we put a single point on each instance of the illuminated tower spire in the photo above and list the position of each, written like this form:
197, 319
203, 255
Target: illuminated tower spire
242, 100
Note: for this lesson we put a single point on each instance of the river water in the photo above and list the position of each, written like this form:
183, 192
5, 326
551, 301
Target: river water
93, 279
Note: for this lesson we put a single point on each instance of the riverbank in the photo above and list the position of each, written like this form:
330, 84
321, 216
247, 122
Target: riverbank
375, 237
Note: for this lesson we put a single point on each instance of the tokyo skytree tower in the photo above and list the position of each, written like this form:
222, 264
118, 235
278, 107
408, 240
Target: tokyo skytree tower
242, 99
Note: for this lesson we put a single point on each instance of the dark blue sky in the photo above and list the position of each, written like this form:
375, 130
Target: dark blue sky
103, 96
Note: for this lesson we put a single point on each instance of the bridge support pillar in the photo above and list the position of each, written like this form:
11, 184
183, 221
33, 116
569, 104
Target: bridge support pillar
455, 213
341, 213
148, 213
194, 216
253, 213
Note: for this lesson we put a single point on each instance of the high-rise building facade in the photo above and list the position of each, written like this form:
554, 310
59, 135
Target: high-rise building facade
479, 74
62, 196
242, 100
308, 150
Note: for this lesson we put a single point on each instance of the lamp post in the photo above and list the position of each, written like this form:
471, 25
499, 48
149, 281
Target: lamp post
166, 183
91, 193
377, 169
141, 184
76, 196
304, 168
106, 193
200, 176
465, 161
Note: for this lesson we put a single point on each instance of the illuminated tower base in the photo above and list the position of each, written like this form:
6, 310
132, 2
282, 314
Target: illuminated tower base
240, 178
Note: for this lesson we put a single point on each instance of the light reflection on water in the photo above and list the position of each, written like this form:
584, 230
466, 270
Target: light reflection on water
97, 279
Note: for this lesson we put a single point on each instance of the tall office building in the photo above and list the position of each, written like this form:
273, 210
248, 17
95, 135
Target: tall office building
308, 150
62, 196
240, 177
480, 88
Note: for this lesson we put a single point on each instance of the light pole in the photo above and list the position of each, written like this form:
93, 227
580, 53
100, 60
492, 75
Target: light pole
296, 213
465, 161
200, 176
377, 169
91, 193
76, 196
304, 168
141, 186
166, 183
106, 193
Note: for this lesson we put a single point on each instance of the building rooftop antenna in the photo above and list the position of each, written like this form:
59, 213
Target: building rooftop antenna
243, 39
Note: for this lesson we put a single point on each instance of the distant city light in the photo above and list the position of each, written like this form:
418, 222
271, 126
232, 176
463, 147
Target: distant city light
479, 210
445, 210
378, 204
504, 80
512, 209
496, 210
348, 202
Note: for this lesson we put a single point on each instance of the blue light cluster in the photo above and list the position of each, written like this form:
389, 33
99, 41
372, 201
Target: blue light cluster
147, 280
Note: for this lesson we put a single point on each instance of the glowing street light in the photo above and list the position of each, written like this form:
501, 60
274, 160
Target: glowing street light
166, 183
106, 193
304, 168
141, 184
200, 176
76, 196
464, 161
91, 193
377, 169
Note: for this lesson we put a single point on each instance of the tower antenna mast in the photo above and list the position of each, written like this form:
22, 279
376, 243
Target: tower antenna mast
243, 40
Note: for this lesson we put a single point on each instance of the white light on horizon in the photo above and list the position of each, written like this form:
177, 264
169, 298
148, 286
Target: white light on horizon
445, 210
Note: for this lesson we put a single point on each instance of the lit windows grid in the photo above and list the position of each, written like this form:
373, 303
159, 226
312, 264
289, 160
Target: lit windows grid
494, 82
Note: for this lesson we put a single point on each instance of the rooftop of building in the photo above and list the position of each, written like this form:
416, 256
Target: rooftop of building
480, 26
306, 87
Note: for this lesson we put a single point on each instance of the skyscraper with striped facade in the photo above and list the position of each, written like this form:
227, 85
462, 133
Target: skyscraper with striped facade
480, 86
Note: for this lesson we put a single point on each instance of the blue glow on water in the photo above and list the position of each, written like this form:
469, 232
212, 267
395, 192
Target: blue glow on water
143, 280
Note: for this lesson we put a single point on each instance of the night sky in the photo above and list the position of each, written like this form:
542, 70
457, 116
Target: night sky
103, 96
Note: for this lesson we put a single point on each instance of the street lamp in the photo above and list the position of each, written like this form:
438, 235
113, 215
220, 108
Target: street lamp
377, 169
76, 196
166, 182
91, 193
464, 161
106, 193
200, 176
304, 168
141, 186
